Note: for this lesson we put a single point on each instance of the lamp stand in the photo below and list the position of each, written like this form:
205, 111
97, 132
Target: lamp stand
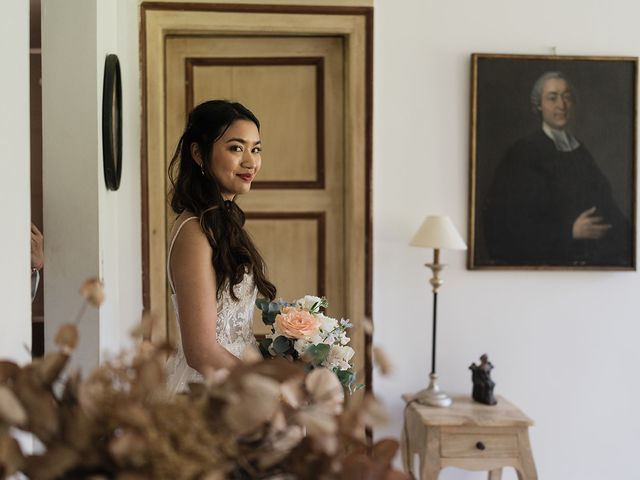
432, 395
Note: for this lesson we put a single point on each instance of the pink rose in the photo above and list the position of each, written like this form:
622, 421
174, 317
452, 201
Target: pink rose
295, 323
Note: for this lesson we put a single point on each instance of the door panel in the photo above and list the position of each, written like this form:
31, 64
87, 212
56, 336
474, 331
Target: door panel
296, 209
258, 86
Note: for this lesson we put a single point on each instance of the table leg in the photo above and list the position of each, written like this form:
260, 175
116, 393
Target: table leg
405, 449
430, 465
526, 457
495, 474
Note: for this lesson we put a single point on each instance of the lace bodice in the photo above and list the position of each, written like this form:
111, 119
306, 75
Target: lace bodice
233, 328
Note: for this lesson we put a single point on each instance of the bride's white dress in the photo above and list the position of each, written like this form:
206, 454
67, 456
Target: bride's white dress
233, 331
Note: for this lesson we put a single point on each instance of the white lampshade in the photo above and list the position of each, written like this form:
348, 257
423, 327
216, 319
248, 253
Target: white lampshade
437, 231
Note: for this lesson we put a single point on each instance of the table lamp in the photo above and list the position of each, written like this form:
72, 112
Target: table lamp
437, 231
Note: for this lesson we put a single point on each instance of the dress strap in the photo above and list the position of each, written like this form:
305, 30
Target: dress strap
173, 240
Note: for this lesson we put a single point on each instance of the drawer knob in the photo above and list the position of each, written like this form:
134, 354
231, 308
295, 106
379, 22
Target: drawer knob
480, 446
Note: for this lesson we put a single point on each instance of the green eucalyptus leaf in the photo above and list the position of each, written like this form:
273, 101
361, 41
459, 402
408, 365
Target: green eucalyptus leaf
346, 377
281, 345
262, 304
269, 318
317, 353
274, 307
264, 345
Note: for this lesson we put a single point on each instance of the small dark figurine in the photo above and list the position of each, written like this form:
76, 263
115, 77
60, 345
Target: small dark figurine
482, 383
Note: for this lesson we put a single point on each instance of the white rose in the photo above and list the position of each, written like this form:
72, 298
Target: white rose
327, 324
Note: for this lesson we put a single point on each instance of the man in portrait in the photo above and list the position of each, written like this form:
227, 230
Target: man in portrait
549, 203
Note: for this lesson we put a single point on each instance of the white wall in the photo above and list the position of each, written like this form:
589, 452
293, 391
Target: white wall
90, 231
563, 343
15, 212
70, 169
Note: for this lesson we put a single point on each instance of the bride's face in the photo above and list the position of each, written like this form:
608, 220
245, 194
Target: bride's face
235, 158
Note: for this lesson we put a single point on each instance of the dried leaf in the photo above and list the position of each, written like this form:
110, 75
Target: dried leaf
382, 361
53, 464
384, 451
372, 412
11, 457
151, 376
362, 467
251, 355
281, 447
51, 366
67, 337
93, 291
129, 449
8, 370
77, 428
133, 415
258, 402
367, 326
144, 328
324, 387
214, 475
292, 392
321, 426
39, 403
11, 410
131, 476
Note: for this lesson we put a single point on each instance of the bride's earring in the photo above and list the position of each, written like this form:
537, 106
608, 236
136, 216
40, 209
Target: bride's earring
202, 169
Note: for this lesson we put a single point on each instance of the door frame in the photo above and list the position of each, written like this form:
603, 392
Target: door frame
355, 26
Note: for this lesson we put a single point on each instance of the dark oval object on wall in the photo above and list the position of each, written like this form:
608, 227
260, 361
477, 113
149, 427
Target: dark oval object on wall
112, 122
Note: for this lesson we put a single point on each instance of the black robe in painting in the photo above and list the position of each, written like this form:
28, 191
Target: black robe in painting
537, 194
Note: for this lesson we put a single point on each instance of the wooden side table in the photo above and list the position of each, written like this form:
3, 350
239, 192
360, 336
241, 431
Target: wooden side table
467, 435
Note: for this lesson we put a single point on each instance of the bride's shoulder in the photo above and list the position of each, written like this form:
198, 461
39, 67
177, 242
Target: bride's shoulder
186, 231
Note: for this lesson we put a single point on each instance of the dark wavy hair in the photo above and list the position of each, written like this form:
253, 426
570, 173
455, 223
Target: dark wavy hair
197, 191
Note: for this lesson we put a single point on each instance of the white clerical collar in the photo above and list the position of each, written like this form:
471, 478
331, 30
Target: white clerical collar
563, 140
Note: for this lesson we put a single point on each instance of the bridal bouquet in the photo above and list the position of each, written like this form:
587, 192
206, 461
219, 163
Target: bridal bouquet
301, 331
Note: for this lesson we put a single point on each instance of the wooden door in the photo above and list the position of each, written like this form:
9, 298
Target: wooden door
294, 85
306, 71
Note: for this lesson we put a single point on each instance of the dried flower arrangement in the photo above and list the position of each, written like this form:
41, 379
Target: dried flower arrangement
267, 419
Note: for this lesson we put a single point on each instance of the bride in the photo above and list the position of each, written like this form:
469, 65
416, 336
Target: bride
214, 270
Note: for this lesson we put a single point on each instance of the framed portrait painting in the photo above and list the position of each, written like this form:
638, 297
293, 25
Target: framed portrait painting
553, 162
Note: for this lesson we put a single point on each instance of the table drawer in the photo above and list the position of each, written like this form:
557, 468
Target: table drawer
456, 445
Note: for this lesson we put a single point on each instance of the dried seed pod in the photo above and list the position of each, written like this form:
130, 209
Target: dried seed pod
93, 291
381, 360
67, 337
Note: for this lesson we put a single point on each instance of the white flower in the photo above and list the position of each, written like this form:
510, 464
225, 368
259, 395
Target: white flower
300, 345
327, 324
339, 357
308, 301
344, 339
311, 303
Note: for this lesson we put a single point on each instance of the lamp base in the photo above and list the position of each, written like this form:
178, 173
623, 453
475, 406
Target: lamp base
432, 395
